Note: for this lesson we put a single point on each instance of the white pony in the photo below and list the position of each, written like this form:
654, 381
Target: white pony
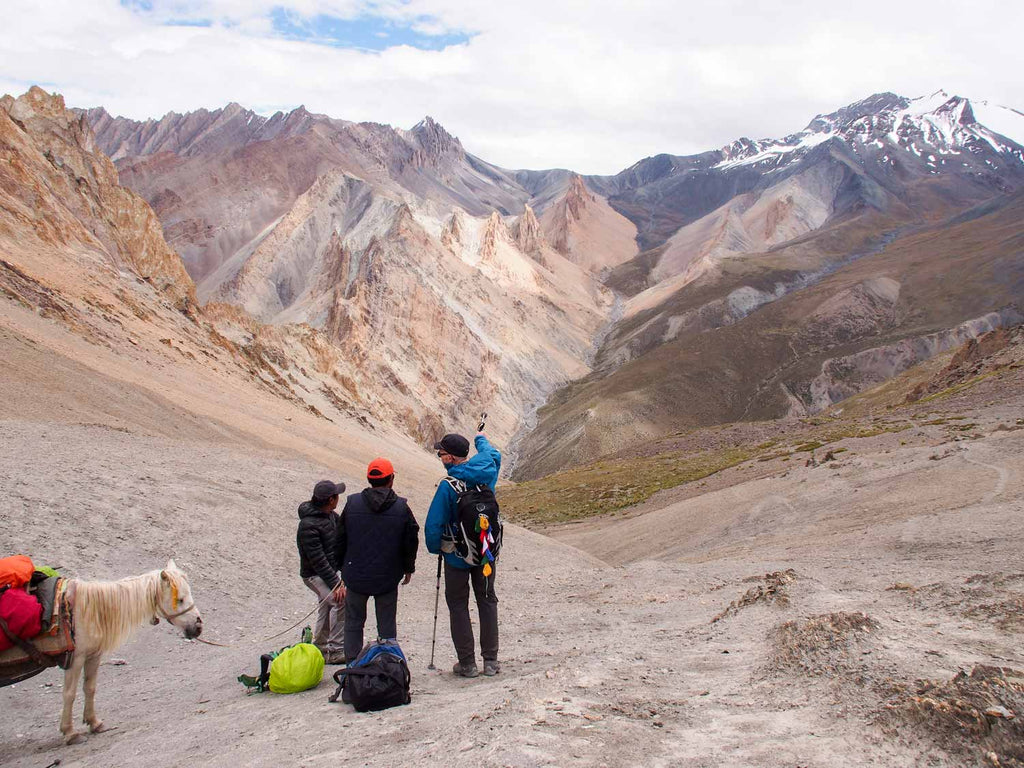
105, 614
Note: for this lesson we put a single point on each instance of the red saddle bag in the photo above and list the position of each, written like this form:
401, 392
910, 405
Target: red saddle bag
22, 613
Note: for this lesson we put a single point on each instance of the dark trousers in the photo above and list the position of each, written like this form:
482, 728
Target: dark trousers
456, 594
386, 607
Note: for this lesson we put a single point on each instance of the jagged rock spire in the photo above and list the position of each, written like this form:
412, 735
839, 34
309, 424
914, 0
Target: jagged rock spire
527, 232
434, 143
577, 197
451, 235
494, 231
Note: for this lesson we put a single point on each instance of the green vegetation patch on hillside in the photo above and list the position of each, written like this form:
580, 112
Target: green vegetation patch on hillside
616, 483
956, 389
607, 486
851, 429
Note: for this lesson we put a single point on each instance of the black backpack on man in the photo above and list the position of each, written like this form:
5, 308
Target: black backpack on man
476, 512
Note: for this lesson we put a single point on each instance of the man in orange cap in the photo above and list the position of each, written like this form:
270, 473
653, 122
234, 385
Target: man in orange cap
376, 547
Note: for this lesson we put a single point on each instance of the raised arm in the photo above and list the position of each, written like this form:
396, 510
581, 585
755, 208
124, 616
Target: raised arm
483, 445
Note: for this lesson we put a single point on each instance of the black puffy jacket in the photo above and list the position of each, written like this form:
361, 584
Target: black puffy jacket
377, 541
317, 540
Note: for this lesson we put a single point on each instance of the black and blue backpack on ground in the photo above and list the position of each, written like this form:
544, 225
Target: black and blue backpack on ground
476, 530
378, 678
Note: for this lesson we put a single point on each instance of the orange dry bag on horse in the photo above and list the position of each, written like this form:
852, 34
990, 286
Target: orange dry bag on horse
16, 571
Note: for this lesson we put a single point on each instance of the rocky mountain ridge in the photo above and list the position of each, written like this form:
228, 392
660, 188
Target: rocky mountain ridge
691, 244
193, 132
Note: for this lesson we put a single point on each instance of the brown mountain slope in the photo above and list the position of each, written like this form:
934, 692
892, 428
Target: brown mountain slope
99, 325
59, 194
88, 256
761, 340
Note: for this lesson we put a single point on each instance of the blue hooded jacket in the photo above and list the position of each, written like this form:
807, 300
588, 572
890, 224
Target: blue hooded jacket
482, 469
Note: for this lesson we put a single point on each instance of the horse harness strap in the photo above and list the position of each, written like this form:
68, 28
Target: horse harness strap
176, 614
174, 604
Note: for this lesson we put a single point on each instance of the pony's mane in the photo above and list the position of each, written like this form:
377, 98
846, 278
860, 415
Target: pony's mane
108, 612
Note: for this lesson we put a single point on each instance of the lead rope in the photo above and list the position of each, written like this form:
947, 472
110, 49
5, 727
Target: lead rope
190, 606
211, 642
293, 626
272, 637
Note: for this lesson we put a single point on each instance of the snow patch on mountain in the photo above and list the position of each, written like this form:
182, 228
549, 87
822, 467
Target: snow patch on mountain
1003, 120
768, 151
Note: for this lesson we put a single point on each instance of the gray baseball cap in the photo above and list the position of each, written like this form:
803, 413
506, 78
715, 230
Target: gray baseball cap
323, 490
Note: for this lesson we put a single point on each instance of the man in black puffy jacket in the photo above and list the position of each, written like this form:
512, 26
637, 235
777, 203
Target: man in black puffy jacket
317, 539
377, 542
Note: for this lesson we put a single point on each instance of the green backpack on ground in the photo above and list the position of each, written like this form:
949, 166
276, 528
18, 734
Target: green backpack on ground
292, 669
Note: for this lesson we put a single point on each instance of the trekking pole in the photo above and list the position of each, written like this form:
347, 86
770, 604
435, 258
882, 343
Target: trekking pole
437, 595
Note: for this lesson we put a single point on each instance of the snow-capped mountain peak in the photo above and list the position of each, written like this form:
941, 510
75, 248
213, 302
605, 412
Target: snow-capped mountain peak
951, 124
936, 124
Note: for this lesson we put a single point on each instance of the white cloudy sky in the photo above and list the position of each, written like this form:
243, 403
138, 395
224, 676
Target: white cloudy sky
529, 84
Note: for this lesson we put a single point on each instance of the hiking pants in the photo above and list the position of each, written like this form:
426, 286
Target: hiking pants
330, 619
386, 607
456, 594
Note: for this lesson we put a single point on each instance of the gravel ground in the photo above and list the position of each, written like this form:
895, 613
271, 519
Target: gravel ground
619, 646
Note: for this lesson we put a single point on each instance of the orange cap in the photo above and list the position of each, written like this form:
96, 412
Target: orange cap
379, 468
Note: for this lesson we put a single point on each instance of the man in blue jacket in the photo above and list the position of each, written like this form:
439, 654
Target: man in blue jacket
482, 469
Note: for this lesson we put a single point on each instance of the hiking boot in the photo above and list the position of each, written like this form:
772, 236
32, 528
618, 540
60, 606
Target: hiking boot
338, 657
491, 668
466, 670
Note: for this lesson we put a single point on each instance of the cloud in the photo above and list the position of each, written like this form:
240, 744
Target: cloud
536, 84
